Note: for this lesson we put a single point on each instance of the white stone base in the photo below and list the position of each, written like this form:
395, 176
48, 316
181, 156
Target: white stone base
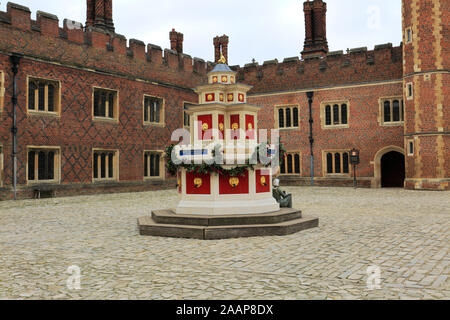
233, 207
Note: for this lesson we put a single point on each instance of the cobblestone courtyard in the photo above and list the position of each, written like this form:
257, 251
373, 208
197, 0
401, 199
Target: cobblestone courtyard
405, 233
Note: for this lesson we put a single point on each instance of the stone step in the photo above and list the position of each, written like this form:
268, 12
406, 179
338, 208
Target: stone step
148, 227
169, 217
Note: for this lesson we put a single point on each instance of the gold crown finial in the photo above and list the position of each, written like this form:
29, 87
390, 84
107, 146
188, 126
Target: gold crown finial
222, 60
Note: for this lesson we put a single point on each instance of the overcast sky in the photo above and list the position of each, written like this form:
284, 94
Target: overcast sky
259, 29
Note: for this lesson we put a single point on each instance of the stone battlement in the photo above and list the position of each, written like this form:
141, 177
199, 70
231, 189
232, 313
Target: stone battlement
95, 48
359, 65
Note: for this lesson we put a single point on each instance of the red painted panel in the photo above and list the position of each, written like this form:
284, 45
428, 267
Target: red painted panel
241, 97
226, 188
250, 126
230, 97
210, 97
262, 181
235, 125
204, 188
204, 121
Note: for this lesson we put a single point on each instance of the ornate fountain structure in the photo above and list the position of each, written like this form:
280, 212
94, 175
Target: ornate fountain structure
224, 175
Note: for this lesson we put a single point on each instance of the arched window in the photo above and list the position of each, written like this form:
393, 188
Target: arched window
152, 162
95, 166
41, 99
329, 163
31, 95
344, 114
50, 165
295, 117
41, 165
145, 165
288, 118
387, 111
51, 97
289, 164
328, 115
105, 104
96, 103
103, 165
345, 162
396, 110
110, 165
297, 164
43, 95
337, 163
393, 111
283, 165
336, 114
31, 165
111, 105
281, 118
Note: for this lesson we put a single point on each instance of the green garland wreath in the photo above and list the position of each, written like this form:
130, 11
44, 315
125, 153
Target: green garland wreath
205, 168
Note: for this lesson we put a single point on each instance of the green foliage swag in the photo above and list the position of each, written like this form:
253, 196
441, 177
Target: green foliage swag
206, 168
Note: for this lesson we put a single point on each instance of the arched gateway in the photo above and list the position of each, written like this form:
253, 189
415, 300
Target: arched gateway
389, 168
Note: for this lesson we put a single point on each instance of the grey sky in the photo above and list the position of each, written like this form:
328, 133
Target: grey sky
260, 29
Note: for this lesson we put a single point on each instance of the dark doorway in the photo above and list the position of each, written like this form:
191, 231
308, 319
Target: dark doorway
393, 170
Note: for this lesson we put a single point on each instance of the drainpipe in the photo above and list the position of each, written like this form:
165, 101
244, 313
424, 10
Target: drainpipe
310, 96
15, 60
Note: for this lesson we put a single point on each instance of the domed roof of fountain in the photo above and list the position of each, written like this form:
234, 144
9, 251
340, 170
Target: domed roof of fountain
221, 66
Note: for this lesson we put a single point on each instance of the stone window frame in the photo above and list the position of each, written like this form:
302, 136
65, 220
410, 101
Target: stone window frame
115, 119
332, 103
57, 102
410, 147
325, 163
409, 87
292, 153
391, 99
408, 31
116, 161
162, 112
285, 107
56, 165
2, 90
162, 167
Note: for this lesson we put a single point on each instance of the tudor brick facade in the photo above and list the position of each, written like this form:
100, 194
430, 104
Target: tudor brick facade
80, 59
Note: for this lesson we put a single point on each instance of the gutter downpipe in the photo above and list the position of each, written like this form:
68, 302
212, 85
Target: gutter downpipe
310, 96
15, 60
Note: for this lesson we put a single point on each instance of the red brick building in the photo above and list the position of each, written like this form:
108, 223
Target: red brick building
83, 110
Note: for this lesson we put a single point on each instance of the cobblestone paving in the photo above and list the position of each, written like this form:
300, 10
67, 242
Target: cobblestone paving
404, 233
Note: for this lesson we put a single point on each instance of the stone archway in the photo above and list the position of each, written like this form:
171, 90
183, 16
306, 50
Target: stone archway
393, 170
377, 181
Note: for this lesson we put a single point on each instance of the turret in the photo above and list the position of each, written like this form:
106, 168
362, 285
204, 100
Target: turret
426, 61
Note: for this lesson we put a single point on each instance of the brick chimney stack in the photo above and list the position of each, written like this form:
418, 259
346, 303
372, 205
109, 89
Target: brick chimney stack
315, 29
176, 41
221, 47
99, 14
